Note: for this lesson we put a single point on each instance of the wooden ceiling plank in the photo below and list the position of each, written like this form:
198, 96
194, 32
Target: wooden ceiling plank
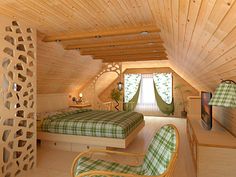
205, 11
103, 33
183, 14
225, 34
175, 24
217, 16
193, 14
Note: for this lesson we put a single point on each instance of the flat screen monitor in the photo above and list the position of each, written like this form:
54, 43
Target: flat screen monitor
206, 110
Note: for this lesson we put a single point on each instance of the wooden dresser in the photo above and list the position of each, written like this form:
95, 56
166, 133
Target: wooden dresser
214, 151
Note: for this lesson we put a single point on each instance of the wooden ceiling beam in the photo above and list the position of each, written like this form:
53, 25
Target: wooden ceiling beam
103, 33
154, 46
131, 56
132, 59
123, 51
127, 53
115, 43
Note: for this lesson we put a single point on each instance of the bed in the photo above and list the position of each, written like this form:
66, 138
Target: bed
91, 128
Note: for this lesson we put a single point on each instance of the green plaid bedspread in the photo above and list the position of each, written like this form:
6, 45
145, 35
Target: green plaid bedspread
109, 124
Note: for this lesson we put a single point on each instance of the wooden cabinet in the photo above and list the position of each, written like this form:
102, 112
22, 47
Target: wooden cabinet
213, 152
194, 105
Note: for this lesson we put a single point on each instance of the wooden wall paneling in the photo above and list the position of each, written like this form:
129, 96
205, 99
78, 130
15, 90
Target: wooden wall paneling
52, 102
18, 97
177, 80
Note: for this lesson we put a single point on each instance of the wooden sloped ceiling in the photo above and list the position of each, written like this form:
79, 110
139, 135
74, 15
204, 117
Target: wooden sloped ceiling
62, 71
122, 27
200, 38
199, 35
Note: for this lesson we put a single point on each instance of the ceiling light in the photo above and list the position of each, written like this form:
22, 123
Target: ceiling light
144, 33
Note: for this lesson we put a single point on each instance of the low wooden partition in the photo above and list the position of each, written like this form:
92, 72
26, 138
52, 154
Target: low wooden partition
214, 151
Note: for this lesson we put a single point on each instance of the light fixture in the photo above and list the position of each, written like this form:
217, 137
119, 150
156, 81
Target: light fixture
144, 32
225, 94
120, 86
150, 43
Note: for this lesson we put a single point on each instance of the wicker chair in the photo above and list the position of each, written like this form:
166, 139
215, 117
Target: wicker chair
159, 160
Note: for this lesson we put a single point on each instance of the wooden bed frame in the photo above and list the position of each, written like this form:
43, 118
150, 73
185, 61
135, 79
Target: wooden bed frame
89, 140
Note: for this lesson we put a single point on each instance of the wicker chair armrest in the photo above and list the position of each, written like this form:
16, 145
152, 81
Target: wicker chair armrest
110, 173
93, 151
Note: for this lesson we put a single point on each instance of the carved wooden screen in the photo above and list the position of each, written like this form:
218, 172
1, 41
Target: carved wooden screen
17, 98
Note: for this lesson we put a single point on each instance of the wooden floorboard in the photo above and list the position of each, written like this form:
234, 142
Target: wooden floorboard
56, 163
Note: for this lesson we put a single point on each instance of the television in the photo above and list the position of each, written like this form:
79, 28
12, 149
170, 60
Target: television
206, 110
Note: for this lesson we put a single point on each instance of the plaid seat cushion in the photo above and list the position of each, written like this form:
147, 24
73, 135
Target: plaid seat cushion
85, 164
159, 152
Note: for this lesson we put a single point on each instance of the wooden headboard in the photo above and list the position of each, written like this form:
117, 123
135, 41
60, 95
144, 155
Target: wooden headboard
51, 102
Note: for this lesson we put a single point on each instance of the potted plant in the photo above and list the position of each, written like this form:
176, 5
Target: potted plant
182, 102
116, 96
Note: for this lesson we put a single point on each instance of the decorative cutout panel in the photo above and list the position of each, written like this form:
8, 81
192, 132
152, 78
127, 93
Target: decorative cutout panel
17, 100
109, 67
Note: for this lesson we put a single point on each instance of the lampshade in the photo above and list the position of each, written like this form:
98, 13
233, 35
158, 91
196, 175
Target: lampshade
225, 94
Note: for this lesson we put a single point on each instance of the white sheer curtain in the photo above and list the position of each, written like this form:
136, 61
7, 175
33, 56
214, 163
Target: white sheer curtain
147, 102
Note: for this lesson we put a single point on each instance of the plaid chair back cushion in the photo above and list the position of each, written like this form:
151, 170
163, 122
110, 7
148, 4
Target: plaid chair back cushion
159, 152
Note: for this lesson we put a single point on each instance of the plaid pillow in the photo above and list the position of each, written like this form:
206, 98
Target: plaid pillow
159, 152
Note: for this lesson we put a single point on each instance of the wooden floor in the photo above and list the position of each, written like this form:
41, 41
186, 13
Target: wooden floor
55, 163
